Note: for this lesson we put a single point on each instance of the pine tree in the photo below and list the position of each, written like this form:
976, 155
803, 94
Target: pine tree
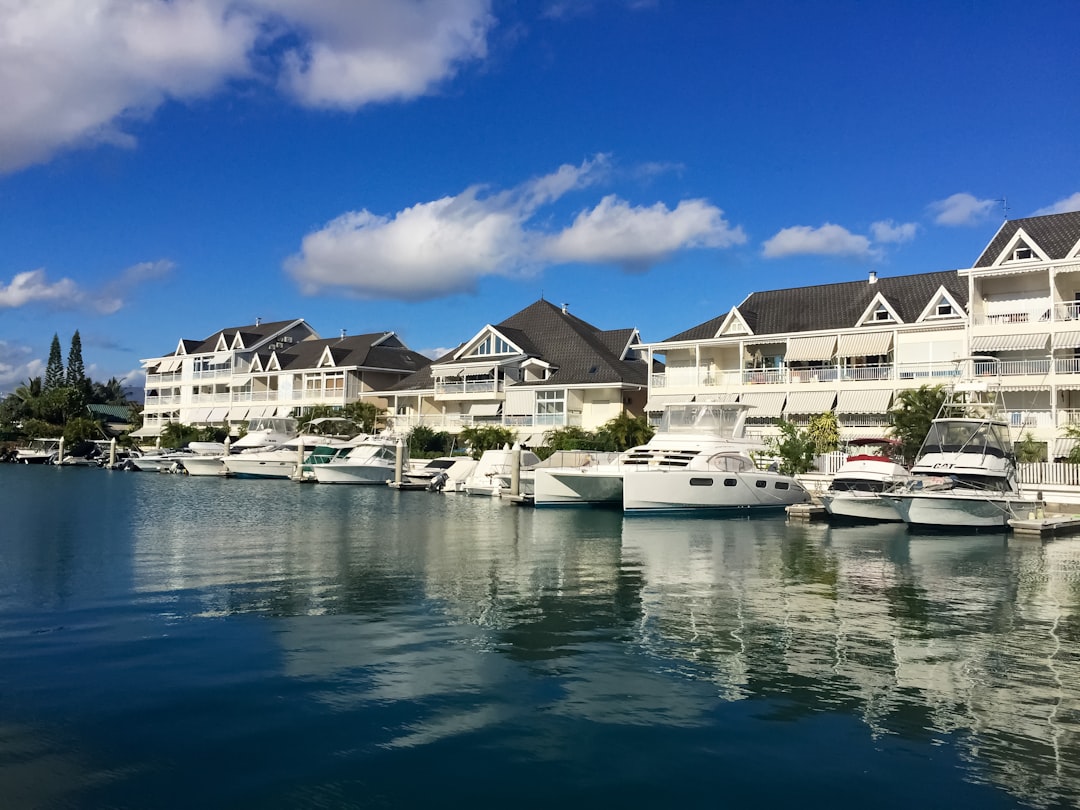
76, 372
54, 371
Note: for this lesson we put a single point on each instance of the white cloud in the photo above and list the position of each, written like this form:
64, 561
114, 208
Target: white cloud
1063, 206
445, 246
889, 232
381, 50
636, 237
33, 287
73, 72
17, 364
961, 209
828, 240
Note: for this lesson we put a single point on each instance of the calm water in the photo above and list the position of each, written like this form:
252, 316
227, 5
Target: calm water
179, 642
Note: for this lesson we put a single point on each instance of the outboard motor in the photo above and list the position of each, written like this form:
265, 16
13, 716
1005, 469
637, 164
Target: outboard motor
438, 481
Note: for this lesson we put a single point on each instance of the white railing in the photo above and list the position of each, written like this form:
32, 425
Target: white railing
211, 373
1011, 368
157, 401
1048, 473
1067, 365
468, 387
1067, 311
161, 379
197, 399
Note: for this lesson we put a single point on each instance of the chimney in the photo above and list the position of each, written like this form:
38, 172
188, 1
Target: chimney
565, 307
873, 277
342, 334
258, 320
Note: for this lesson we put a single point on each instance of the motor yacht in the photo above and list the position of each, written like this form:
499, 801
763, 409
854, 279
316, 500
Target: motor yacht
493, 472
262, 433
373, 460
965, 473
289, 459
699, 459
870, 469
39, 451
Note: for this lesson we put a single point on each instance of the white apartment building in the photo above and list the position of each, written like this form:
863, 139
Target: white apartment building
850, 347
269, 369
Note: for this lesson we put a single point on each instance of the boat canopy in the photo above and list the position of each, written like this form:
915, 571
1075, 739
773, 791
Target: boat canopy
722, 419
967, 436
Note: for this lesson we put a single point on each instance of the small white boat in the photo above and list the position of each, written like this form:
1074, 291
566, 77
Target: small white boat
493, 471
39, 451
161, 461
855, 491
286, 460
261, 433
965, 473
373, 460
442, 473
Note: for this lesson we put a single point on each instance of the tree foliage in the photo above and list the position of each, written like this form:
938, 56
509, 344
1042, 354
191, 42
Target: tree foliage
1028, 450
424, 441
624, 431
796, 448
54, 371
76, 371
488, 437
912, 412
824, 431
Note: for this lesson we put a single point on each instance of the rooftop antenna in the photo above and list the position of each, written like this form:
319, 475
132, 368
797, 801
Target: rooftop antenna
1004, 207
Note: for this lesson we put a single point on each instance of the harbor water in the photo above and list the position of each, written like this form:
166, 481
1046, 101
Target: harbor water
175, 642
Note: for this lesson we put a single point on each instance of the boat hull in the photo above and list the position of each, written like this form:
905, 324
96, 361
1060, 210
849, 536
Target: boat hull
207, 466
577, 487
335, 473
864, 506
266, 468
953, 510
700, 491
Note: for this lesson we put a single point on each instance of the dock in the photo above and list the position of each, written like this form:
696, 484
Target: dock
806, 512
1049, 526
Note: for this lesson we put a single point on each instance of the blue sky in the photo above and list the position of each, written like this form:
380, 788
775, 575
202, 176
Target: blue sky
172, 167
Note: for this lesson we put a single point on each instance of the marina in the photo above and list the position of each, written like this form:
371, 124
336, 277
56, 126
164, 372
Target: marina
320, 646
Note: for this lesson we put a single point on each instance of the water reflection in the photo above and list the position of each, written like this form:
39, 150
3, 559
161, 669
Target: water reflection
425, 619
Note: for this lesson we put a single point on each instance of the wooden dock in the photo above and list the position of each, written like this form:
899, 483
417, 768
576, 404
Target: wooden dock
1049, 526
806, 512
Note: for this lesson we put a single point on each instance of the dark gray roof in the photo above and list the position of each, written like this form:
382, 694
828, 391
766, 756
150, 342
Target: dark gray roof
834, 306
578, 351
374, 350
251, 335
1056, 234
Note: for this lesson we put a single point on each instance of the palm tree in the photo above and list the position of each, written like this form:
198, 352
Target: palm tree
626, 431
913, 411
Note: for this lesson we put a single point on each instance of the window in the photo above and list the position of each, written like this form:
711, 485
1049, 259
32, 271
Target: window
882, 313
1023, 254
944, 309
781, 485
335, 383
701, 482
550, 407
730, 482
492, 345
760, 484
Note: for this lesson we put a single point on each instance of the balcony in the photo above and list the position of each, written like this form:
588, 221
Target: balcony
444, 388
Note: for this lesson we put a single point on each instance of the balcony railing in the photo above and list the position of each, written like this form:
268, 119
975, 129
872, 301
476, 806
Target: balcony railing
468, 387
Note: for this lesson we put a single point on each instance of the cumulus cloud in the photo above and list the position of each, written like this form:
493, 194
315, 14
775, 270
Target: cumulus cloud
961, 209
446, 246
636, 237
74, 72
17, 364
1063, 206
34, 287
828, 240
889, 232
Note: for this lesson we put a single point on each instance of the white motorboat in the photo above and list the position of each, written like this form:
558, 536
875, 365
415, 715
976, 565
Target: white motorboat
442, 473
39, 451
373, 460
286, 460
160, 461
855, 491
965, 472
699, 459
261, 433
493, 472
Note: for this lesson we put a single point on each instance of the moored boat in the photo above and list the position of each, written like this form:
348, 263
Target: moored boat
855, 491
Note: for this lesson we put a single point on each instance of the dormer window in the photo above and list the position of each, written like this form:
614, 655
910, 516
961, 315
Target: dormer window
882, 313
1023, 254
944, 309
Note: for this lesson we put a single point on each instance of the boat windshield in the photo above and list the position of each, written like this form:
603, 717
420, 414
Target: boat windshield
273, 424
967, 436
724, 420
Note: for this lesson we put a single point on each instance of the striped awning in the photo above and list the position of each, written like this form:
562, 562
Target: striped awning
1062, 447
723, 396
146, 431
1066, 340
197, 415
865, 344
283, 410
809, 402
170, 364
657, 402
484, 408
217, 415
864, 401
768, 404
822, 347
1009, 343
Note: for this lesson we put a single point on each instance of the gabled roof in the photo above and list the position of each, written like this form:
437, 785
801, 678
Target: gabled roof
1056, 234
250, 336
380, 350
578, 352
834, 306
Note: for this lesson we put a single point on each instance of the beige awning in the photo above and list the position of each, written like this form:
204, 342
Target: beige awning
765, 404
864, 401
170, 365
484, 408
809, 402
865, 344
1066, 340
723, 396
657, 402
822, 347
217, 415
1062, 447
196, 415
146, 431
1008, 343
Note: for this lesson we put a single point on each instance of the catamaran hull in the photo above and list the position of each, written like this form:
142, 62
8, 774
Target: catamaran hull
952, 510
577, 488
693, 491
862, 506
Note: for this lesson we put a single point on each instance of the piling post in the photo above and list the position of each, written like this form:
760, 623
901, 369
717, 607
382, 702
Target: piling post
112, 452
515, 471
399, 460
60, 452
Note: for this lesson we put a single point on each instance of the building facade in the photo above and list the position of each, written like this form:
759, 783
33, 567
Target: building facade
269, 369
851, 347
540, 369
